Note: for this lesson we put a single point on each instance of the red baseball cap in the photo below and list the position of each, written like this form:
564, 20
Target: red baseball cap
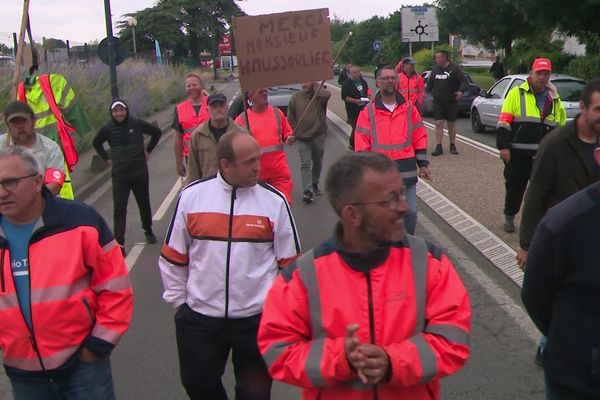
541, 64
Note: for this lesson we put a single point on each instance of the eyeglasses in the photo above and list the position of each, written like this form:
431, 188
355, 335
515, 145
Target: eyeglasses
12, 183
392, 203
388, 78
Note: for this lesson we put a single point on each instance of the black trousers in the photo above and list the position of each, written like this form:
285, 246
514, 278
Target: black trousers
204, 344
516, 176
138, 183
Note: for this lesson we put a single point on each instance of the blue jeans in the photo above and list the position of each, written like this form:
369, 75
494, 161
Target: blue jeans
410, 219
87, 381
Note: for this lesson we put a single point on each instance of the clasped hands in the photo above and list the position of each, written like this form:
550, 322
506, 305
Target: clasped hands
371, 362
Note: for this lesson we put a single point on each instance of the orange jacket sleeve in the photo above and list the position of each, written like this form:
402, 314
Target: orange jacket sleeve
286, 129
362, 132
284, 339
110, 282
421, 89
443, 347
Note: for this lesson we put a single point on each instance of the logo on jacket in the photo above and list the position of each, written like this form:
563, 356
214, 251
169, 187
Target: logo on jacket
443, 76
397, 296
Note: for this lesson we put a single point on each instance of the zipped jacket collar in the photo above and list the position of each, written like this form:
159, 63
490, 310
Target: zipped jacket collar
363, 261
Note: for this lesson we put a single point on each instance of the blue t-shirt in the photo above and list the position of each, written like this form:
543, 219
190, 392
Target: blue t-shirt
540, 99
18, 236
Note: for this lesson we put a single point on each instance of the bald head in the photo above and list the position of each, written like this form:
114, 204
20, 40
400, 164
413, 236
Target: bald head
239, 155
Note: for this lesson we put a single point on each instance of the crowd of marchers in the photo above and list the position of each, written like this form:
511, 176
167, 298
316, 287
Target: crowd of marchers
373, 312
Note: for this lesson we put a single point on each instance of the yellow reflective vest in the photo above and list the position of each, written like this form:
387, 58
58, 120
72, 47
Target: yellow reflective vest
46, 122
521, 125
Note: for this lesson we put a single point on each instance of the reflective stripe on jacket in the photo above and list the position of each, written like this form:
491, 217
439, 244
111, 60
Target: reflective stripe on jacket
520, 125
412, 304
189, 120
80, 291
224, 246
400, 134
411, 87
271, 134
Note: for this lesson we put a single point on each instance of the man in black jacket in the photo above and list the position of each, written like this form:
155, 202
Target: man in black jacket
448, 83
125, 136
355, 93
561, 292
564, 164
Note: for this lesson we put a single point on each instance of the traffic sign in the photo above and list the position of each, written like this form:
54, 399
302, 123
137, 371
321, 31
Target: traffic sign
377, 45
420, 24
120, 51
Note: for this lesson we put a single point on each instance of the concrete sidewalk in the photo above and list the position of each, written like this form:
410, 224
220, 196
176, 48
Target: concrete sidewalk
467, 191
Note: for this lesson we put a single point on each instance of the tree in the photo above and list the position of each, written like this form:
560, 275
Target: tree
493, 25
4, 49
183, 27
577, 18
360, 47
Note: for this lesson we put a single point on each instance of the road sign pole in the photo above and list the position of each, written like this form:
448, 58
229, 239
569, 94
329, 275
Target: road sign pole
114, 88
410, 49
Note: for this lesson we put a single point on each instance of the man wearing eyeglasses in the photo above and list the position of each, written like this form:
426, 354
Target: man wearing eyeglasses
20, 121
65, 294
393, 126
372, 313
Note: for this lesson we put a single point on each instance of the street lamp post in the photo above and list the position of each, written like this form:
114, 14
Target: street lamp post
132, 22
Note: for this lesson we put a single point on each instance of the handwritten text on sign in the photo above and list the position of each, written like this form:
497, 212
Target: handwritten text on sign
283, 48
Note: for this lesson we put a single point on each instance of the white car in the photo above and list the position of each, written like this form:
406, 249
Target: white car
486, 108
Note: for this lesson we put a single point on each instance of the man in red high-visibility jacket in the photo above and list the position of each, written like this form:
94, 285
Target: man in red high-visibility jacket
410, 84
271, 130
372, 313
188, 115
393, 126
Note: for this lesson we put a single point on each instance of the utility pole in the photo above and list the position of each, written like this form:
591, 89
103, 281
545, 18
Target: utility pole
114, 88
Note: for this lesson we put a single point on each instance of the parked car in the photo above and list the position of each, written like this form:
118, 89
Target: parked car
279, 96
464, 103
486, 108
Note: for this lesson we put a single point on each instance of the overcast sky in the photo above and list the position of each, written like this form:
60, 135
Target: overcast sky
83, 20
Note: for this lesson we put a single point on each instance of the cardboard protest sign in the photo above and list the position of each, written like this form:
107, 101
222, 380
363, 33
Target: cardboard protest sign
283, 48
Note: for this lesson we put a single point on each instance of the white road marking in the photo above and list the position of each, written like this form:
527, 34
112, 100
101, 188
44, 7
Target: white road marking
134, 254
233, 97
95, 196
160, 213
505, 302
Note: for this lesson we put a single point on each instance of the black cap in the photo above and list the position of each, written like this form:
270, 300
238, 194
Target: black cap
15, 109
215, 97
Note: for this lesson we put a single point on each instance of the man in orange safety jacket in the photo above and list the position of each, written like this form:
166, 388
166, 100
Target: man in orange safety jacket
372, 313
65, 295
271, 130
393, 126
188, 115
410, 84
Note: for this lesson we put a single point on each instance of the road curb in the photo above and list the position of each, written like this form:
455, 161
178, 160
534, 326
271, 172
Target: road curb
498, 252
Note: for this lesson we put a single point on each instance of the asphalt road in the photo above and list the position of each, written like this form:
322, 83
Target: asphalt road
463, 124
145, 362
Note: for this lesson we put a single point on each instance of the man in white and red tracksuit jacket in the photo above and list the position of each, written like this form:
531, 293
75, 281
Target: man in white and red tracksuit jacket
371, 313
228, 238
65, 295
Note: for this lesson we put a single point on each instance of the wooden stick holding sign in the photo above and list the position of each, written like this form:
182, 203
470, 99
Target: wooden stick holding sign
322, 82
24, 21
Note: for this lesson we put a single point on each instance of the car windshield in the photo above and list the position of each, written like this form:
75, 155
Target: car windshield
569, 89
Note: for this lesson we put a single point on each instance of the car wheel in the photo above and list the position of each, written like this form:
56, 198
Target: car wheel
476, 124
